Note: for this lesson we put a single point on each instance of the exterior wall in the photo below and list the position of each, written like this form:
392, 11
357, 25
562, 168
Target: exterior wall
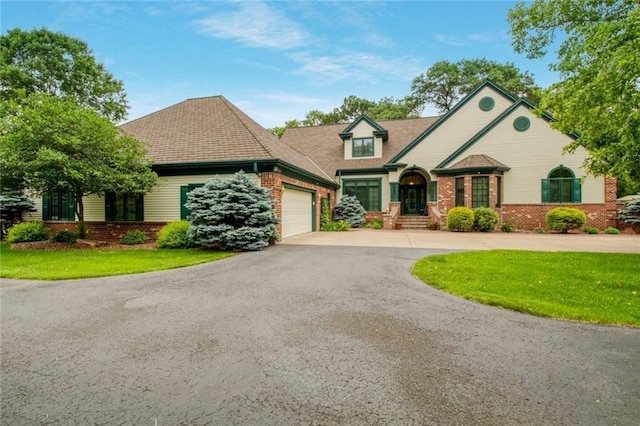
363, 130
455, 131
109, 231
385, 192
274, 181
531, 155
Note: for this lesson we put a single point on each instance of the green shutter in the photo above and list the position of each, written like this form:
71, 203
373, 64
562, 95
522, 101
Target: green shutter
71, 207
433, 190
45, 206
545, 190
184, 212
140, 208
577, 191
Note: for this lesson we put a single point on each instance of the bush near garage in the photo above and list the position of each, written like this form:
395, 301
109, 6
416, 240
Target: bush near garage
232, 214
564, 219
349, 209
460, 219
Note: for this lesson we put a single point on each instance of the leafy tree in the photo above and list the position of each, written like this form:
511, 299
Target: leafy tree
48, 143
599, 66
445, 83
350, 210
42, 61
232, 213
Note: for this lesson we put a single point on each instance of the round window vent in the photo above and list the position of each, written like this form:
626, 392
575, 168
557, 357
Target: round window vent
487, 103
521, 123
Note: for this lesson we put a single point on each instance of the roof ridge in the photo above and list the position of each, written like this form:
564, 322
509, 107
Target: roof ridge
235, 111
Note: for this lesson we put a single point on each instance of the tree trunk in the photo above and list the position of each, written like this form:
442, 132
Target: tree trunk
82, 231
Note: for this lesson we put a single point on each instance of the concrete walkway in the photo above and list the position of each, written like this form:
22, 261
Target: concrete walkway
471, 240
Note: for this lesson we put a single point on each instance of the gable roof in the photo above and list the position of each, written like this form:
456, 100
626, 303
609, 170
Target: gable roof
211, 129
325, 145
377, 129
452, 111
473, 163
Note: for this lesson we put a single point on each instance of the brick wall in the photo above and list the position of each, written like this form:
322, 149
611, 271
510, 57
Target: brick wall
109, 231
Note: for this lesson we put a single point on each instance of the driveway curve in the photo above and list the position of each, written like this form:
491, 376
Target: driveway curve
301, 335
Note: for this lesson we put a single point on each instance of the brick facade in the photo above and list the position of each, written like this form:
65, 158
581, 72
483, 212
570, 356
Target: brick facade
109, 231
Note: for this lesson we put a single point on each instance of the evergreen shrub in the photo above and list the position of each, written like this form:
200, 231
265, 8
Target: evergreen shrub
565, 219
485, 219
336, 226
134, 237
28, 231
591, 230
612, 231
232, 214
460, 219
349, 209
631, 213
507, 227
175, 235
65, 236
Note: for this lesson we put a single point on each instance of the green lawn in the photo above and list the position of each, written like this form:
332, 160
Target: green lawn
73, 263
594, 287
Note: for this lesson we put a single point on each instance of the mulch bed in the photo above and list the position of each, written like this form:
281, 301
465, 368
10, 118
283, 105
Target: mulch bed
81, 245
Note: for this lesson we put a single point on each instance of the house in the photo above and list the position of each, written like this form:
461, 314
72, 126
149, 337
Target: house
490, 150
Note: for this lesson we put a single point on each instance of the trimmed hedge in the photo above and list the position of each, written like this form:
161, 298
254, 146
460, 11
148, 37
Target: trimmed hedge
460, 219
565, 219
485, 219
28, 231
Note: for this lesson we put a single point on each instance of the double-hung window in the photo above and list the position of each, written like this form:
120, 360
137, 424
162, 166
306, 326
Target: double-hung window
124, 207
362, 147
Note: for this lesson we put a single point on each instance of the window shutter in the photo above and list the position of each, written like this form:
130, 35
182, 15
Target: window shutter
433, 190
71, 207
577, 191
184, 212
545, 190
45, 206
140, 208
108, 207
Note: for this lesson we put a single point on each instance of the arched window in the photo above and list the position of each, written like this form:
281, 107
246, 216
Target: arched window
561, 186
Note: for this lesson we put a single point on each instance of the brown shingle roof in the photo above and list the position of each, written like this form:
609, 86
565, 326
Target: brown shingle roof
210, 129
477, 161
325, 146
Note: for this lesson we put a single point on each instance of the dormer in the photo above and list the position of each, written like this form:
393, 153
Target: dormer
363, 139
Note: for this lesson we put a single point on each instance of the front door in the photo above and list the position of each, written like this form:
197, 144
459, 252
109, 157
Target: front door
411, 198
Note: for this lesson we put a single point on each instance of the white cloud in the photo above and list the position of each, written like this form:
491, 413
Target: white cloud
254, 24
292, 99
488, 37
451, 41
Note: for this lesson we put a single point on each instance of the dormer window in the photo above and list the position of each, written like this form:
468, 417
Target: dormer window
362, 147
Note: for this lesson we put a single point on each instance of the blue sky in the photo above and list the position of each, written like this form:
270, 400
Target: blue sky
276, 60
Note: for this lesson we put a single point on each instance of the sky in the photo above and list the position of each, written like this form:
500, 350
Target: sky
276, 60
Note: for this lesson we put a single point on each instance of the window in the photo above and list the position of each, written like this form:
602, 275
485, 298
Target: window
184, 191
480, 191
124, 207
367, 191
362, 147
58, 205
561, 186
459, 191
433, 191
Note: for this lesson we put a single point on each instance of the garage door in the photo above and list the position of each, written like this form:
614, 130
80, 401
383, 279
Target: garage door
297, 212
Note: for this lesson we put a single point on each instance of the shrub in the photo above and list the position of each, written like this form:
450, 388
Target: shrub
350, 209
565, 218
539, 230
337, 226
460, 219
432, 224
612, 231
133, 237
28, 231
175, 235
65, 236
378, 224
485, 219
590, 230
233, 213
631, 213
506, 227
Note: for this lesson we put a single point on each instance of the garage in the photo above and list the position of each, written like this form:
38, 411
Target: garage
297, 211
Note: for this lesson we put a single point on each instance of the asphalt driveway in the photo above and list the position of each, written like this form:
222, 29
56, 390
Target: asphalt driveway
301, 335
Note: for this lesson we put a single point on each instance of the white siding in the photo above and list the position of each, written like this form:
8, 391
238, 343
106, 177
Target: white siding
531, 155
363, 130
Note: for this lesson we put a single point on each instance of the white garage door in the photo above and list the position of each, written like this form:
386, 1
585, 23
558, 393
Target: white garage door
297, 215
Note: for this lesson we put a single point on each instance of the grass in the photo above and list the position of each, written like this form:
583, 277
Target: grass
601, 288
73, 263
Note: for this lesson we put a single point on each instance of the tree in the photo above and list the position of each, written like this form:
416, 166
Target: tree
445, 83
350, 210
48, 143
232, 213
598, 96
42, 61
